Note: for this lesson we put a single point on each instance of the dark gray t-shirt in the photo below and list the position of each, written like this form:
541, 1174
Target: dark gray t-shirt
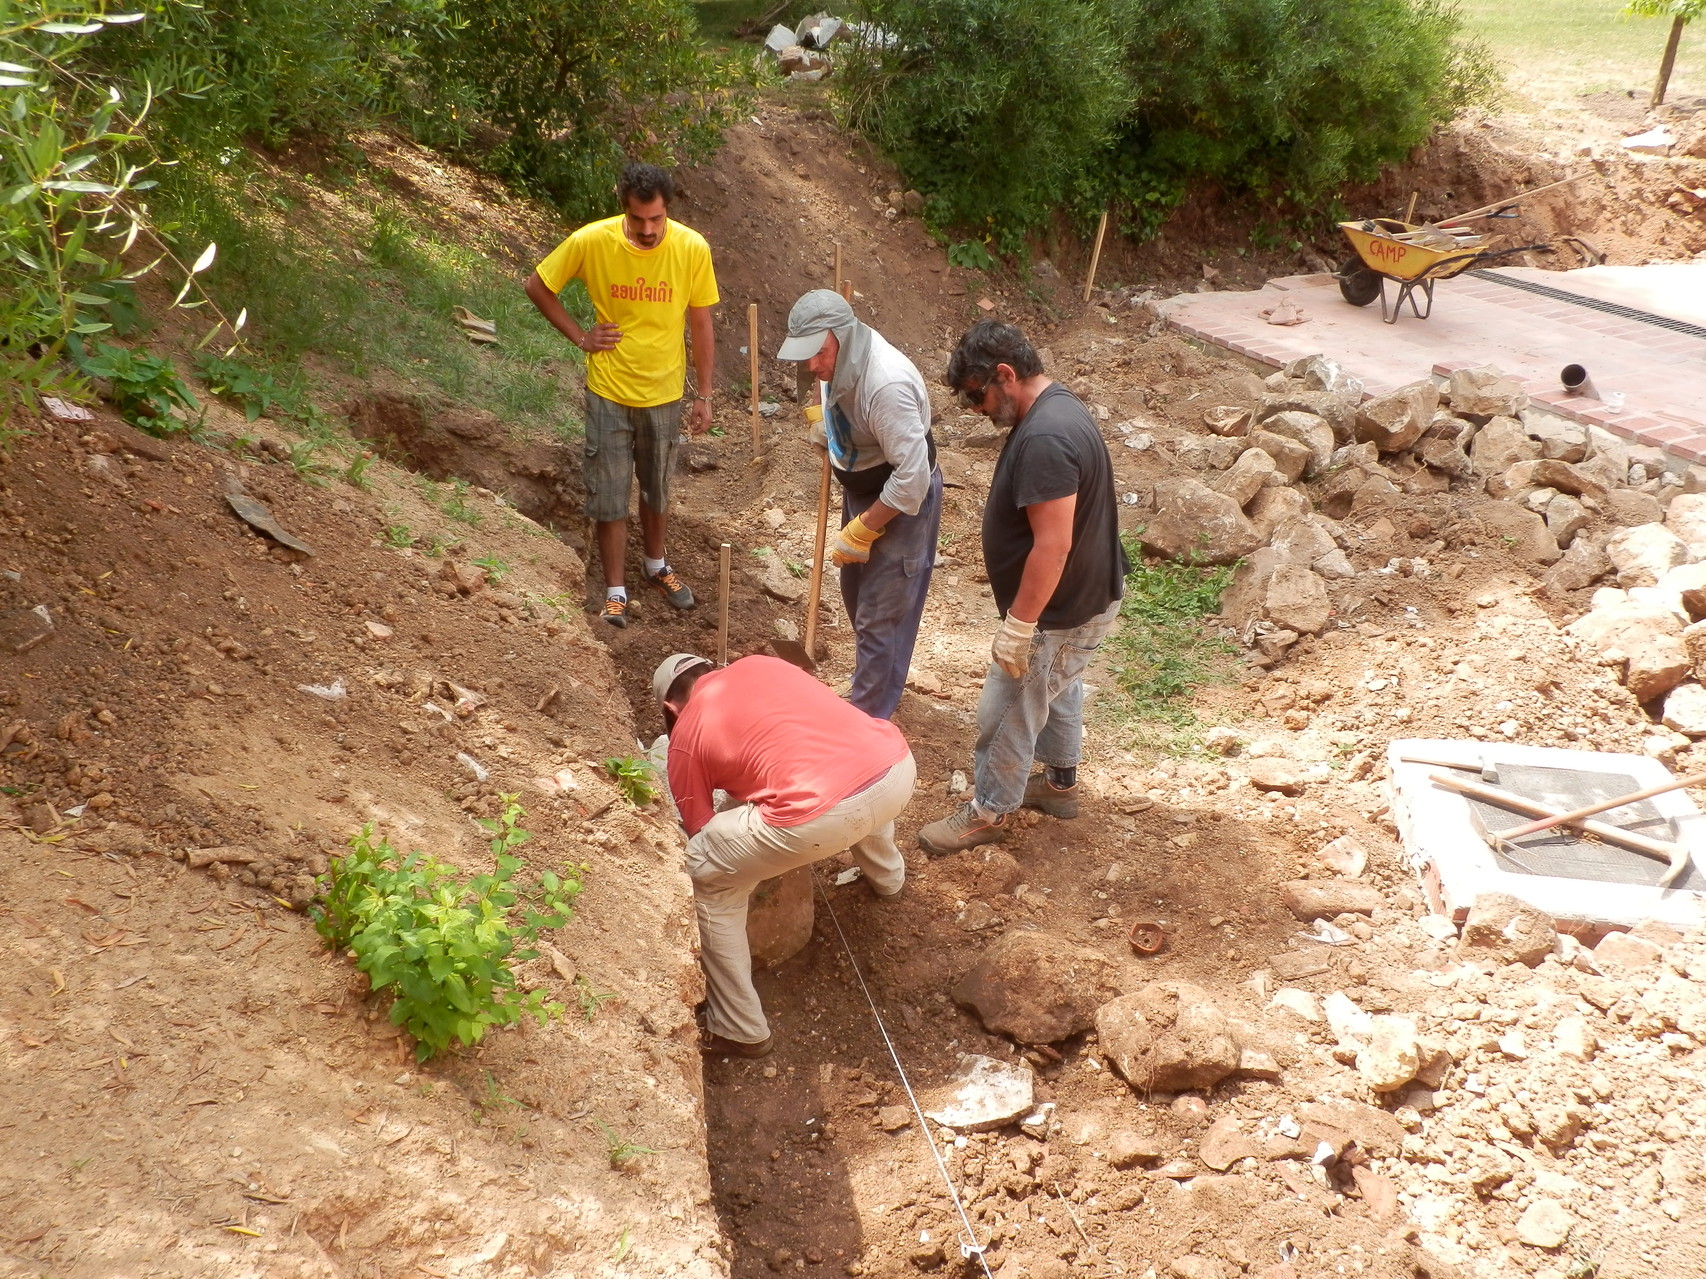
1053, 452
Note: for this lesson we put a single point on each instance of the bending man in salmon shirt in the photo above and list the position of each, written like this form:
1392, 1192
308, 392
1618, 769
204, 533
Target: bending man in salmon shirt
809, 775
645, 275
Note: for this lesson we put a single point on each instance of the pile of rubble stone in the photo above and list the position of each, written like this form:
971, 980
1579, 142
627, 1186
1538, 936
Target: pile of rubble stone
1276, 478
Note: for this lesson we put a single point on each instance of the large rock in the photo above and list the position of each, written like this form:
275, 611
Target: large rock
1272, 507
1253, 471
1685, 710
1322, 373
1584, 563
1309, 430
1351, 1123
1038, 988
1194, 523
1392, 423
1694, 643
1523, 532
1227, 419
1485, 392
1686, 517
1242, 601
1297, 599
1303, 540
1643, 640
1608, 457
772, 576
1167, 1037
1507, 930
779, 917
1549, 473
1684, 589
1291, 457
1500, 445
1545, 1223
1558, 437
1565, 517
1311, 899
1630, 508
1225, 1143
1339, 411
1446, 456
1392, 1054
1645, 553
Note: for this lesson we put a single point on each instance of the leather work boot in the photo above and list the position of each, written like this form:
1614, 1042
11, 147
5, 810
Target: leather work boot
962, 829
712, 1045
1040, 793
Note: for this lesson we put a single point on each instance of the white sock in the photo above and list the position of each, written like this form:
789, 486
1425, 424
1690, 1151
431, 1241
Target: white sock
615, 592
653, 567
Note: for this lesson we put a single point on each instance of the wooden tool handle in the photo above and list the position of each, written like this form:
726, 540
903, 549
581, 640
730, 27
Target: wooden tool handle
1564, 819
723, 604
1522, 804
752, 352
816, 592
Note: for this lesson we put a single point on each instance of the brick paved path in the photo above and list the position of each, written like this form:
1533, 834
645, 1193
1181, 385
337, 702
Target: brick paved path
1661, 373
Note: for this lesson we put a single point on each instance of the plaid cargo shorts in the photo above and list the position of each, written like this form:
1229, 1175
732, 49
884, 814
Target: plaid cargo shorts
622, 442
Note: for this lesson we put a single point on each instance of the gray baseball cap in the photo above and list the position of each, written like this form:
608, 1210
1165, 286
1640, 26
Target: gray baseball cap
814, 315
669, 669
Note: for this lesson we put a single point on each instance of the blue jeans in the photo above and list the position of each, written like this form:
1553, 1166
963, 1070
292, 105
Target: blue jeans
1039, 716
885, 598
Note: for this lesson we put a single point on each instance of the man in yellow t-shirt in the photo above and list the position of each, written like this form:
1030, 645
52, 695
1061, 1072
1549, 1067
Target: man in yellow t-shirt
646, 275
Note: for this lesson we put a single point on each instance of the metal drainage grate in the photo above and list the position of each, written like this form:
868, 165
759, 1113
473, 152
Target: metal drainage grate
1593, 304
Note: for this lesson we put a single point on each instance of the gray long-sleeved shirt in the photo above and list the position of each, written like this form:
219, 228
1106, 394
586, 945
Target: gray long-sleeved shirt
888, 419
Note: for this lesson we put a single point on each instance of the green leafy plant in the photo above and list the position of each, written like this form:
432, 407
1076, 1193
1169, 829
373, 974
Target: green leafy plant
254, 390
359, 465
144, 388
588, 999
442, 947
496, 569
621, 1151
456, 505
301, 457
398, 535
971, 255
635, 778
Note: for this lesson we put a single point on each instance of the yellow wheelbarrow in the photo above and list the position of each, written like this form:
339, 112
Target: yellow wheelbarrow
1414, 257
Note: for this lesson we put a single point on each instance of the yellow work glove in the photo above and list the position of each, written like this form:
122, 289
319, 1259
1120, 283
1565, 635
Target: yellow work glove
1012, 646
853, 543
815, 432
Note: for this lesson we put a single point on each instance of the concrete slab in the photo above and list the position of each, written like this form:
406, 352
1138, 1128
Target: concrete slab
1455, 864
1660, 371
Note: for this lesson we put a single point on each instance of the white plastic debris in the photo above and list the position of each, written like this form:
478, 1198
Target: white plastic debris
1328, 934
335, 691
847, 876
473, 765
436, 709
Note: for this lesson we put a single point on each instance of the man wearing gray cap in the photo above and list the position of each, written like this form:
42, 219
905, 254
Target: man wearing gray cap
876, 425
809, 776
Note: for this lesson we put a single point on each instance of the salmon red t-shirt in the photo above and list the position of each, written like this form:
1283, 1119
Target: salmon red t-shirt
771, 735
645, 293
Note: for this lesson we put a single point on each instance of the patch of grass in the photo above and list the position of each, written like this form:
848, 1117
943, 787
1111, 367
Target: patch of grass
368, 301
622, 1152
496, 569
456, 505
1571, 47
1161, 652
587, 999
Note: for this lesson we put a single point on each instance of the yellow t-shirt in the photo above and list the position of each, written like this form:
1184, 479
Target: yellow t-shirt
645, 293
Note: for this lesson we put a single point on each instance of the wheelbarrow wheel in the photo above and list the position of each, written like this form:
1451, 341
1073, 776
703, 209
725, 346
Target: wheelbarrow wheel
1357, 284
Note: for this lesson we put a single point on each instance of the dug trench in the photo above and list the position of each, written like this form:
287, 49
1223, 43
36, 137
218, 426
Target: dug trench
817, 1161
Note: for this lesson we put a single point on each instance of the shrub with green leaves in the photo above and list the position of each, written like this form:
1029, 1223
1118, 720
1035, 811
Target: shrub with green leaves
144, 388
442, 947
1005, 112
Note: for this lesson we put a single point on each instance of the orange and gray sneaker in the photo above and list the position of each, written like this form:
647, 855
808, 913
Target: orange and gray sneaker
615, 610
962, 829
672, 587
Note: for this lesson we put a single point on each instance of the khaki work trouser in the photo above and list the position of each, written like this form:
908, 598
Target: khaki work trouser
735, 852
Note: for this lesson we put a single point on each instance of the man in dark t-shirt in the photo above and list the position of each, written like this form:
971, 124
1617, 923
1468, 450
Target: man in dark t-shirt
1057, 569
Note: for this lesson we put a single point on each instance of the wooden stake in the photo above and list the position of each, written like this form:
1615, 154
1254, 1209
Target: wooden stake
816, 592
1095, 256
1410, 209
838, 268
752, 350
723, 605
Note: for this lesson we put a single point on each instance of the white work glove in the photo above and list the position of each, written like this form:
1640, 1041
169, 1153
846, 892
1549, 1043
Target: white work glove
1012, 646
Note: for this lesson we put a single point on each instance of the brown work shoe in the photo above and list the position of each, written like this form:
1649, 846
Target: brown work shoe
1040, 793
961, 829
713, 1045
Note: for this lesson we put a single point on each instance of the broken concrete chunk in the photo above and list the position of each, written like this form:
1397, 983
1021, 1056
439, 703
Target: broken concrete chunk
1391, 1056
1312, 899
983, 1093
22, 629
1283, 775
